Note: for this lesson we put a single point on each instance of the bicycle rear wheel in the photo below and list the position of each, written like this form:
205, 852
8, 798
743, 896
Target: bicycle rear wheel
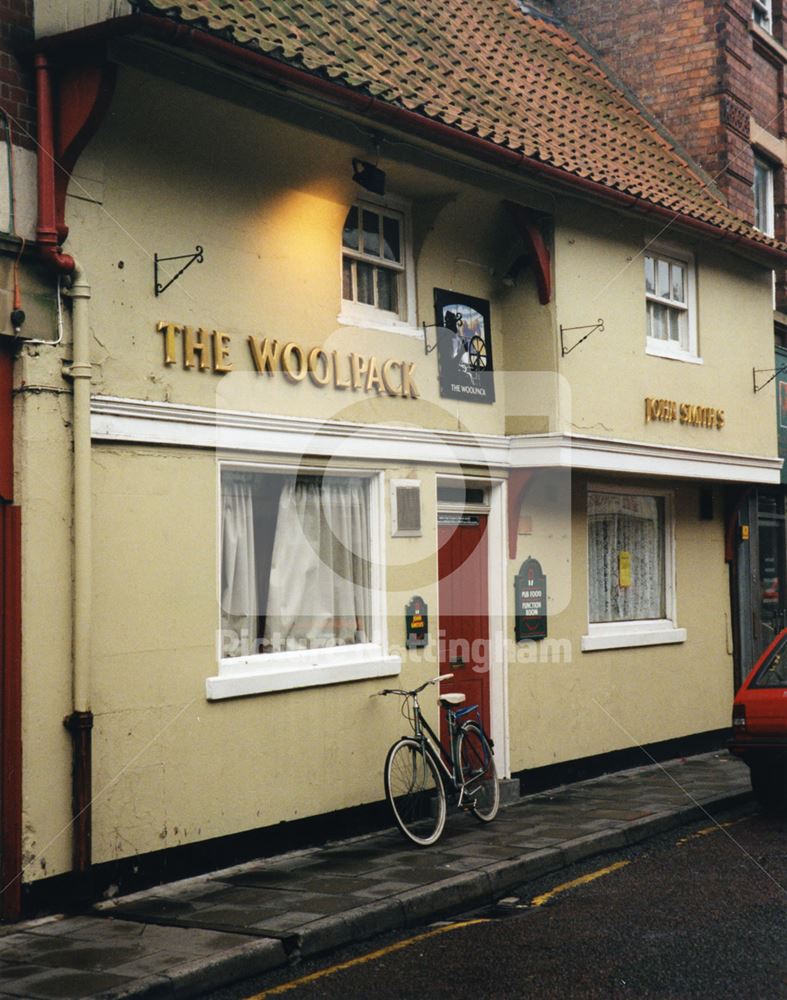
479, 773
414, 788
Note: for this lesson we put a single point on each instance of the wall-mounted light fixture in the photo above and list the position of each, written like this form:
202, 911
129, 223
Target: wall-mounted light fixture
370, 177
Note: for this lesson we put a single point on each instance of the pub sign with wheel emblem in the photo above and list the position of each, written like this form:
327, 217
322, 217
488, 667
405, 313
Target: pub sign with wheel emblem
530, 602
464, 347
416, 620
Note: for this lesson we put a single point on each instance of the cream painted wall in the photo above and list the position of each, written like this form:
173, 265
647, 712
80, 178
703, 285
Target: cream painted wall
55, 16
171, 767
171, 168
599, 273
567, 704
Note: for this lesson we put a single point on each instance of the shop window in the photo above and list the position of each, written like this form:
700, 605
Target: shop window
299, 587
630, 569
762, 14
376, 266
670, 305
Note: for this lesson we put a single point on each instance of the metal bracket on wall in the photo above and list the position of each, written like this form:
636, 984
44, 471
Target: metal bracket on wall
190, 258
591, 328
428, 348
764, 371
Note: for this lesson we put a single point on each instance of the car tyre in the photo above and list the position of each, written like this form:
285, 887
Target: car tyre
769, 784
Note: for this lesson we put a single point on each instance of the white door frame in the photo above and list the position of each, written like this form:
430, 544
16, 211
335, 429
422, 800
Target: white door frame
497, 546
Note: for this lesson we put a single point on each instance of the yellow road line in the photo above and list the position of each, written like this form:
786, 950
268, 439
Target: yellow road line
705, 831
361, 959
582, 880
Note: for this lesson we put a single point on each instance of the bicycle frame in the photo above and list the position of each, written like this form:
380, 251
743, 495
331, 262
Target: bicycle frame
425, 734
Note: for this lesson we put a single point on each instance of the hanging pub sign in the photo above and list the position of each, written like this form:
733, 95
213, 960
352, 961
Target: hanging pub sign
416, 620
530, 602
464, 347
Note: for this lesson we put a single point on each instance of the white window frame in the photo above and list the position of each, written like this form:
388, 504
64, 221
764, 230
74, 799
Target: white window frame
262, 673
762, 14
647, 631
764, 169
369, 316
665, 348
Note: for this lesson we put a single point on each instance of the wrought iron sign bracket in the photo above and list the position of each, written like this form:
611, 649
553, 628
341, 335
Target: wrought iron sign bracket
428, 348
764, 371
591, 328
190, 258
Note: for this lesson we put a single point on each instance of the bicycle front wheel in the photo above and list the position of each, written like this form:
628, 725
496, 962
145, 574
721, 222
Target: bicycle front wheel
414, 788
479, 773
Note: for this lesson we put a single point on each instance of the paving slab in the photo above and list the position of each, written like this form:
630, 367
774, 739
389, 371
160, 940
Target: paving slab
179, 940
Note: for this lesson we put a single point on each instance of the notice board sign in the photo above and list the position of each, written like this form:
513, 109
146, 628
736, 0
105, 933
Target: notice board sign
416, 620
530, 601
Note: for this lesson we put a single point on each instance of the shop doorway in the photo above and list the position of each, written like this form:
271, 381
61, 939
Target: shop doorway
463, 566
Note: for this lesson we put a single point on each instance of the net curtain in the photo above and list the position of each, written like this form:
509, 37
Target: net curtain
632, 524
318, 577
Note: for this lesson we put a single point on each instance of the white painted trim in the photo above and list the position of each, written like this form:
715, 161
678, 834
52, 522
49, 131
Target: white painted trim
639, 458
498, 647
245, 675
181, 425
630, 634
497, 565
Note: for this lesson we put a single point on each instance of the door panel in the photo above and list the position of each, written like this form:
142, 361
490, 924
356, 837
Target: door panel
463, 567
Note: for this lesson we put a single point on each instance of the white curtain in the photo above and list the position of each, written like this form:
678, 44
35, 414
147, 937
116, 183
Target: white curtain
239, 606
319, 580
632, 524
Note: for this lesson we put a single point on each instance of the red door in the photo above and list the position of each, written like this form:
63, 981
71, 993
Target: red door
462, 562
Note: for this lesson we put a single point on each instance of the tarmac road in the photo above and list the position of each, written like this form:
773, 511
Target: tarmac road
700, 913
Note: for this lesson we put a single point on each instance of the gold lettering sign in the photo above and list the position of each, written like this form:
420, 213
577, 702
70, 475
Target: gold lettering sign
687, 414
209, 350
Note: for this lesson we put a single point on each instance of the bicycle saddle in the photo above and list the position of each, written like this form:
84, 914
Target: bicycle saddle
454, 698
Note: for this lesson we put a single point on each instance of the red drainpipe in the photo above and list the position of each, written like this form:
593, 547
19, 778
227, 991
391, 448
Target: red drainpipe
48, 235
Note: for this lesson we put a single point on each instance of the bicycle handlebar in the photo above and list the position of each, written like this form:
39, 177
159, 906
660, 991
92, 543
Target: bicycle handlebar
434, 680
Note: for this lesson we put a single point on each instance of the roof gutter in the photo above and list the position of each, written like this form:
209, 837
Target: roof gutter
274, 71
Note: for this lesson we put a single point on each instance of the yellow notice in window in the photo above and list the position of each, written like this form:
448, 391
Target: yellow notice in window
624, 569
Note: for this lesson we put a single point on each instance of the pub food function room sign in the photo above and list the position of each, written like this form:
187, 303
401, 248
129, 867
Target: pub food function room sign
530, 602
464, 347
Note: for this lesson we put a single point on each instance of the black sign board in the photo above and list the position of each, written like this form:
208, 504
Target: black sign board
464, 347
530, 601
416, 620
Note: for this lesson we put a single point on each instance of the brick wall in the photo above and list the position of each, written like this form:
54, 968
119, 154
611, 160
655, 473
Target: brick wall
16, 81
703, 72
668, 55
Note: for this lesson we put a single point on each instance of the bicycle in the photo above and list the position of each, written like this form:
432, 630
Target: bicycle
417, 767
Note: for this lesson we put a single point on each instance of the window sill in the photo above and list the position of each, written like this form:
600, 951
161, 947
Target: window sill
658, 350
265, 673
385, 325
624, 635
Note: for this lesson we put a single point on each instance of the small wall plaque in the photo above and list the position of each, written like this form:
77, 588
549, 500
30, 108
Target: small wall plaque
530, 602
416, 619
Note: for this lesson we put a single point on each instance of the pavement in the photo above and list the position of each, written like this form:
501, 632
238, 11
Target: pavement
187, 938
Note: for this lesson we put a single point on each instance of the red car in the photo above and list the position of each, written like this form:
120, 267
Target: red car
759, 726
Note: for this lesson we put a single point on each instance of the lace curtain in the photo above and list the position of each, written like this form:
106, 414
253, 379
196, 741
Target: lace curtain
239, 605
633, 525
295, 570
319, 580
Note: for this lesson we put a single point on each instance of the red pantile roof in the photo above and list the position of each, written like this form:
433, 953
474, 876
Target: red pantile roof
494, 69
